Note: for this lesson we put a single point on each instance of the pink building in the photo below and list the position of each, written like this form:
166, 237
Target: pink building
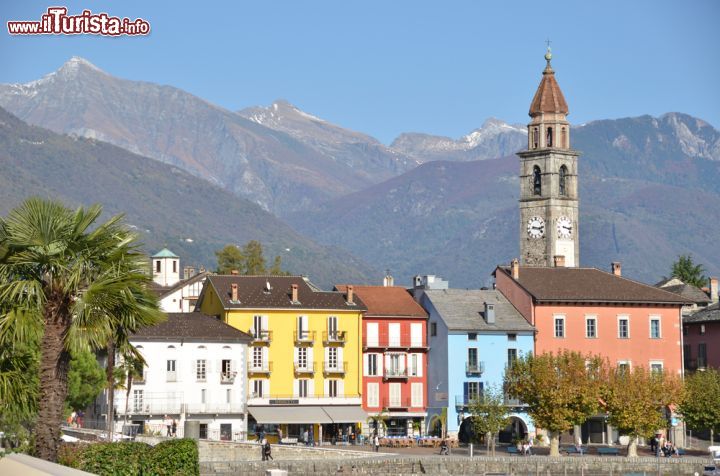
702, 338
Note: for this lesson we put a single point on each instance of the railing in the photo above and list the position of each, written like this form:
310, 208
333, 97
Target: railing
397, 403
304, 337
395, 372
280, 396
462, 401
260, 368
228, 378
334, 367
334, 337
214, 408
304, 368
171, 376
261, 336
403, 341
474, 367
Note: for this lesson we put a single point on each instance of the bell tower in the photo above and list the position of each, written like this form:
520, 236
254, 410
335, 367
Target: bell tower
548, 181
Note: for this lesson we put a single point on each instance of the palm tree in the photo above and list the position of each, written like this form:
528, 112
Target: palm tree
63, 272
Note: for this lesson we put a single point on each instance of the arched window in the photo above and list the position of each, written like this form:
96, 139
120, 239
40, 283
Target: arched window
549, 140
564, 138
563, 174
537, 181
535, 138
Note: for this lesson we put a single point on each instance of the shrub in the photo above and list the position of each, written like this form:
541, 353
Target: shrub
173, 457
114, 459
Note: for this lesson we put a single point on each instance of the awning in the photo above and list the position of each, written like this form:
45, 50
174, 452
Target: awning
289, 414
346, 413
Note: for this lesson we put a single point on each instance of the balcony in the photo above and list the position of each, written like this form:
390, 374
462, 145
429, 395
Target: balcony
305, 368
214, 408
474, 368
334, 337
260, 368
228, 377
171, 376
392, 373
403, 341
334, 367
304, 337
397, 403
261, 337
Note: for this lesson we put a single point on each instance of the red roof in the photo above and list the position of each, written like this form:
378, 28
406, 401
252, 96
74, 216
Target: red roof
393, 301
548, 97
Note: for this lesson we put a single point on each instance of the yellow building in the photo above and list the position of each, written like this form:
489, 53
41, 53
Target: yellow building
305, 360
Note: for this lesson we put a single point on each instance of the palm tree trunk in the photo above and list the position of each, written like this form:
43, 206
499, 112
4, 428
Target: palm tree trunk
54, 364
110, 421
127, 394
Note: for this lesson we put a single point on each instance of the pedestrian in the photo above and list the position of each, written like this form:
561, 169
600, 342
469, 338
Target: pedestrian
653, 444
280, 435
444, 448
174, 428
311, 437
267, 451
80, 418
306, 438
168, 425
73, 419
263, 454
376, 442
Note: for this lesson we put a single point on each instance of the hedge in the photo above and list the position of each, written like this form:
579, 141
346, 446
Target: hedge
169, 458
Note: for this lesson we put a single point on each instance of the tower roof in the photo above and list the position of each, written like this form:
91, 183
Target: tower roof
548, 97
165, 253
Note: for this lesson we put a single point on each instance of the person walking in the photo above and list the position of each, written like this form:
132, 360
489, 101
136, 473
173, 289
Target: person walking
267, 451
444, 450
174, 428
168, 425
306, 438
376, 442
263, 453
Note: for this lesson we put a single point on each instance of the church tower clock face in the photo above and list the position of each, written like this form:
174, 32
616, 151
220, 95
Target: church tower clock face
549, 206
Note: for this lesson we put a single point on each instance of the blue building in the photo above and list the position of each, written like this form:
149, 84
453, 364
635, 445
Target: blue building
472, 335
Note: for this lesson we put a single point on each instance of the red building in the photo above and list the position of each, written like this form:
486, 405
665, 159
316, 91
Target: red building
394, 359
702, 338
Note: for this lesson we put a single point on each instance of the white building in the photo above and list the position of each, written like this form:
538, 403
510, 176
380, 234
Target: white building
196, 370
175, 294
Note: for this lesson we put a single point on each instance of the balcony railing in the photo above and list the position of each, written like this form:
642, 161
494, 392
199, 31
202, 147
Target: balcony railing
395, 373
474, 367
228, 377
304, 368
214, 408
334, 337
334, 367
304, 337
397, 403
403, 341
171, 376
260, 368
261, 336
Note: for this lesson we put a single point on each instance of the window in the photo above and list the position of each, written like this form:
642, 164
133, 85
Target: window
512, 337
702, 356
226, 368
433, 329
138, 400
225, 431
560, 326
257, 361
623, 366
702, 329
332, 388
623, 328
174, 266
302, 388
302, 328
393, 364
332, 324
591, 327
372, 365
563, 174
416, 395
535, 138
203, 396
687, 355
655, 328
203, 431
537, 181
157, 266
228, 395
332, 353
511, 356
394, 334
473, 390
302, 356
549, 137
414, 365
395, 392
171, 367
564, 138
373, 394
201, 370
656, 366
472, 336
472, 357
258, 388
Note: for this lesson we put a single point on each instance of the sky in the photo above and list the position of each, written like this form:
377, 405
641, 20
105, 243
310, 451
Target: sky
387, 67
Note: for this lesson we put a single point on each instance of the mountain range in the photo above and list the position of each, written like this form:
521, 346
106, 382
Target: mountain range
423, 204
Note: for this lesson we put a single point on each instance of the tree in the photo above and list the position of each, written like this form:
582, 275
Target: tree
86, 380
229, 259
64, 273
561, 390
688, 272
247, 261
635, 400
489, 415
700, 406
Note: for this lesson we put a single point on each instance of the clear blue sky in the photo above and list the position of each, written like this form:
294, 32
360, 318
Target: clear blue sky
386, 67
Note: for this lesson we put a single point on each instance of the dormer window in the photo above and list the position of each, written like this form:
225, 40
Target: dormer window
537, 181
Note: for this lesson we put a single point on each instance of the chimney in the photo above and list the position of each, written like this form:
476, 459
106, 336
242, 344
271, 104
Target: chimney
714, 290
350, 295
490, 313
559, 261
234, 272
515, 269
616, 268
233, 292
294, 291
389, 281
